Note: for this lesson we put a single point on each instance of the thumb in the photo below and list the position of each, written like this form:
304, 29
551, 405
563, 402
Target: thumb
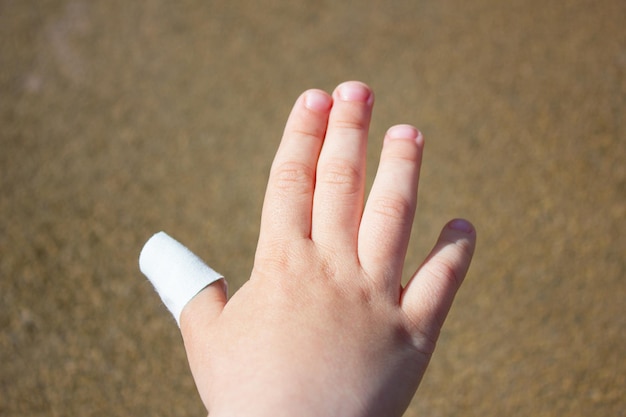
202, 310
428, 296
180, 277
195, 319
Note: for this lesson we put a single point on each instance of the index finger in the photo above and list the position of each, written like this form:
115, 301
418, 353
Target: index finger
289, 195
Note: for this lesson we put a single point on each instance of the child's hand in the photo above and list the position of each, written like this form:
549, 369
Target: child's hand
323, 327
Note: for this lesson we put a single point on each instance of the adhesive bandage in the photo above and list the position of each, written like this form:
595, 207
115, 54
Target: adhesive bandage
176, 273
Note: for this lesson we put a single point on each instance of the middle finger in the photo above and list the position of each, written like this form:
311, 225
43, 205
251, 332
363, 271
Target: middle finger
340, 182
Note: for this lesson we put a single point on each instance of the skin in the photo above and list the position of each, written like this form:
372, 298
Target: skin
324, 327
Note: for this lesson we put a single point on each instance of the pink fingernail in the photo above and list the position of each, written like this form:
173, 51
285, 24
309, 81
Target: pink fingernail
355, 91
317, 100
403, 132
461, 225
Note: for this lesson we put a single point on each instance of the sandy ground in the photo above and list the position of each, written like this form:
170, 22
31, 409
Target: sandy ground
119, 119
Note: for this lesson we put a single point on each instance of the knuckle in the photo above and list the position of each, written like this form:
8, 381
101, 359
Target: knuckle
351, 124
445, 271
464, 248
424, 342
393, 207
424, 339
402, 152
342, 176
293, 177
270, 266
273, 259
290, 258
310, 132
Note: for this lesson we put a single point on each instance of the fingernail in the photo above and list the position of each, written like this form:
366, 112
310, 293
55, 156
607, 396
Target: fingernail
403, 132
461, 225
317, 100
355, 91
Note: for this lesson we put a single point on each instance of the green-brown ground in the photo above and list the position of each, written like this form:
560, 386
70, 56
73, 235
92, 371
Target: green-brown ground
119, 119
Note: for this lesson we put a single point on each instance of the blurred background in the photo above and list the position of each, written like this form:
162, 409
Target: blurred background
119, 119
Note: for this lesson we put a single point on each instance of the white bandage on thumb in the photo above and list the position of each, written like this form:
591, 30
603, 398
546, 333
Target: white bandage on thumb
176, 273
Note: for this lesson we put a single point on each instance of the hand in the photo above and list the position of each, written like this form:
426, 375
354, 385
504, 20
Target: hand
324, 327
